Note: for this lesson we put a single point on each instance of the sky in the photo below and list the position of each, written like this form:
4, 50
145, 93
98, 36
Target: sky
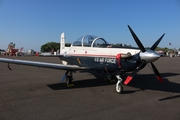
32, 23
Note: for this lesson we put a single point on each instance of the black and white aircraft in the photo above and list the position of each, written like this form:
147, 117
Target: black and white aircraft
94, 53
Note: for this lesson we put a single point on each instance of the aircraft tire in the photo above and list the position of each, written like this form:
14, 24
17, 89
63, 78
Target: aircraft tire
119, 88
68, 80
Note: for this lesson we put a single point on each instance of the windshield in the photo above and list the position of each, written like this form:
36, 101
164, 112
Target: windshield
90, 40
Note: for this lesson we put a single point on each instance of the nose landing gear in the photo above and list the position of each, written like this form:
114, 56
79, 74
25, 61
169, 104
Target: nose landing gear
119, 87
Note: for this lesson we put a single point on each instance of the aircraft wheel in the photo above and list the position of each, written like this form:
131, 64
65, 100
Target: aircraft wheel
68, 79
119, 88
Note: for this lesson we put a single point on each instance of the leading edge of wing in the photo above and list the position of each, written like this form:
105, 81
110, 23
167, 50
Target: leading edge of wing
42, 64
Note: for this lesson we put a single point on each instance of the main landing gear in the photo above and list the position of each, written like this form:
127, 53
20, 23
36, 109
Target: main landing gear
68, 76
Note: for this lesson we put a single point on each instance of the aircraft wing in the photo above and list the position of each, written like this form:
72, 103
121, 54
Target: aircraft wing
43, 64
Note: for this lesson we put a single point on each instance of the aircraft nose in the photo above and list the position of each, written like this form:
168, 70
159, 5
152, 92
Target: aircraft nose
149, 56
155, 56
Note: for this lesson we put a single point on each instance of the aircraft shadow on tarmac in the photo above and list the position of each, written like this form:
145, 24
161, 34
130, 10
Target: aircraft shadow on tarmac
141, 81
150, 82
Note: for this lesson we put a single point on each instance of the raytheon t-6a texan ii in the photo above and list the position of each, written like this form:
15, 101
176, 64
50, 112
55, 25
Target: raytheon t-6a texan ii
93, 53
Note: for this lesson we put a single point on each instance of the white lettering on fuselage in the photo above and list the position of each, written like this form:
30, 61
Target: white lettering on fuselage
105, 60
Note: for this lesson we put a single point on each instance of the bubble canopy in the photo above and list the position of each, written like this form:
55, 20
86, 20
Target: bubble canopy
90, 41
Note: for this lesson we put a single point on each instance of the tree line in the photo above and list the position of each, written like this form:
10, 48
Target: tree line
52, 45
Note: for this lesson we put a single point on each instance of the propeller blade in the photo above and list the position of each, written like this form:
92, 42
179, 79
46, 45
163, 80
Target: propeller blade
138, 42
157, 42
130, 77
156, 72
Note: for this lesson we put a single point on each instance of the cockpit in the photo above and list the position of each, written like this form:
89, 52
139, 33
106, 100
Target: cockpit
90, 41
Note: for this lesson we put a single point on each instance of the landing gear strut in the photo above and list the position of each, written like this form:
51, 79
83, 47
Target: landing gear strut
68, 79
68, 76
119, 87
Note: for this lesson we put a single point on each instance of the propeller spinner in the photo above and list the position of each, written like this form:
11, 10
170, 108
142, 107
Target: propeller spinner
146, 56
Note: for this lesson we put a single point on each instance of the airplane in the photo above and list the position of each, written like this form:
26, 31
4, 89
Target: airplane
96, 54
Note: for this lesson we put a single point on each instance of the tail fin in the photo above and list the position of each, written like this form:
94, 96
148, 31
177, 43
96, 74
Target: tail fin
62, 43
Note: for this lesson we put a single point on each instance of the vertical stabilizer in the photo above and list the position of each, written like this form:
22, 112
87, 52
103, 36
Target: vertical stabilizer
62, 42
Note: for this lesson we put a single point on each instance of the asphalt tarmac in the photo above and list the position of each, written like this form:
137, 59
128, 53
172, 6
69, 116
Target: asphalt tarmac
30, 93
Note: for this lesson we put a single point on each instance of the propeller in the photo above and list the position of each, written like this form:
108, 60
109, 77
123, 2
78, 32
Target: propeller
130, 77
157, 42
138, 42
146, 56
156, 72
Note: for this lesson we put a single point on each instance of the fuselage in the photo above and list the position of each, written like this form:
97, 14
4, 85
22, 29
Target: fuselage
97, 54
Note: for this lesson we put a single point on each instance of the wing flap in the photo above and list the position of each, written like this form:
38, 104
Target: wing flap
42, 64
